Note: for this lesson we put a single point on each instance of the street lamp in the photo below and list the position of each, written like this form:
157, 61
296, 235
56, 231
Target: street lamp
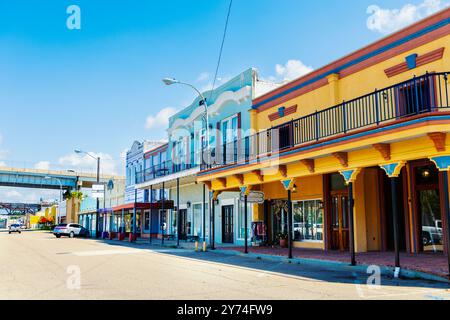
60, 195
172, 81
98, 181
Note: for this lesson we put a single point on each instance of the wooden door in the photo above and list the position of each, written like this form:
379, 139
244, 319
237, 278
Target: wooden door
227, 224
339, 221
183, 224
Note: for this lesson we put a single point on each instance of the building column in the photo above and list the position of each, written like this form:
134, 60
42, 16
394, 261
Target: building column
288, 186
393, 171
246, 222
213, 220
213, 198
244, 192
163, 216
123, 221
443, 164
204, 217
350, 178
150, 217
178, 212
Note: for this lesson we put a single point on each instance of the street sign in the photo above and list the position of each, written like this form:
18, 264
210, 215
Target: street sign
254, 197
98, 187
98, 191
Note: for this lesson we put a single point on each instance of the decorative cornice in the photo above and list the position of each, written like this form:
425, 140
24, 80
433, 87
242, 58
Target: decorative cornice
238, 97
342, 157
282, 112
282, 169
422, 32
384, 149
309, 163
438, 139
417, 61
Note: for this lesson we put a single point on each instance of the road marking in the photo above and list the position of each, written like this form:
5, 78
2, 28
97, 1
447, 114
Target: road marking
105, 252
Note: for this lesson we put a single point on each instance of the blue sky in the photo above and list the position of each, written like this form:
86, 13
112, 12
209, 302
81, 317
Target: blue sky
95, 88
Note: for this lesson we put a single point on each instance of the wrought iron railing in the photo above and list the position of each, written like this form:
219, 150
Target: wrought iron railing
168, 167
427, 93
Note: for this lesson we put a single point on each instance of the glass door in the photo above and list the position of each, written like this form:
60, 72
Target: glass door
429, 208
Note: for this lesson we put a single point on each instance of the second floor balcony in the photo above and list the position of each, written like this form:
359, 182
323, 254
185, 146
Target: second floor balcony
168, 168
419, 95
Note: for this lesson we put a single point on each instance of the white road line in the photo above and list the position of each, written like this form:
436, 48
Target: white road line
105, 252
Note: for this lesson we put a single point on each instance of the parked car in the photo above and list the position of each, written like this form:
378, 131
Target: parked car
14, 228
432, 234
70, 230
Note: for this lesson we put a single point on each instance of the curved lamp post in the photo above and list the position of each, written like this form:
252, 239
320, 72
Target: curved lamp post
172, 81
60, 195
98, 181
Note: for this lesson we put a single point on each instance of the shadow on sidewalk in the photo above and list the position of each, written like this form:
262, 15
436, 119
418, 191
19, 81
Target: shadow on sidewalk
321, 272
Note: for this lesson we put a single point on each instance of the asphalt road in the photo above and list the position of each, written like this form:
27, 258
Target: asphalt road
36, 265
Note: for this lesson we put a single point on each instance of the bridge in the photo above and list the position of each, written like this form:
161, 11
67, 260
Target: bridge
48, 179
19, 208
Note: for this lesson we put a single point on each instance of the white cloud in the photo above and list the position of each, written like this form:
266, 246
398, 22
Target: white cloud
3, 153
293, 69
84, 163
389, 20
161, 119
203, 76
24, 195
42, 165
219, 81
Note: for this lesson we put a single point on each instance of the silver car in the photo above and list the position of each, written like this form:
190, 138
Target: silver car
70, 230
14, 228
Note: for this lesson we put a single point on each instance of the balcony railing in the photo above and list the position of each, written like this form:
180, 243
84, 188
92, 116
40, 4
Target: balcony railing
427, 93
166, 168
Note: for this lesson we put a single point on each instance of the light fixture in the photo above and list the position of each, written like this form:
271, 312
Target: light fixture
169, 81
426, 173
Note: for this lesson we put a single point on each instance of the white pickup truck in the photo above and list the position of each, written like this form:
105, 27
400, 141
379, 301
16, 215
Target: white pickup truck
432, 234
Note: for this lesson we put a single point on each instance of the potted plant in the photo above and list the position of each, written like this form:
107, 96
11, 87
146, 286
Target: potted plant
283, 237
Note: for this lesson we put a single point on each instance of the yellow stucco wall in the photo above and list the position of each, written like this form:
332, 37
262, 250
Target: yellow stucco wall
357, 84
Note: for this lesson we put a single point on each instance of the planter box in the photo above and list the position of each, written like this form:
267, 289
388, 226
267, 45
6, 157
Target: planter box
112, 235
283, 243
132, 237
121, 236
105, 235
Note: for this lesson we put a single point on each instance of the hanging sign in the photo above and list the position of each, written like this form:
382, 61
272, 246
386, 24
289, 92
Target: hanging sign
254, 197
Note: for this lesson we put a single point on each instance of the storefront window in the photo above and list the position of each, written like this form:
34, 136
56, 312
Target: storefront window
308, 220
147, 221
198, 219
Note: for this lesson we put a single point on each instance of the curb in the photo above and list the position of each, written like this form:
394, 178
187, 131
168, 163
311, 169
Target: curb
385, 270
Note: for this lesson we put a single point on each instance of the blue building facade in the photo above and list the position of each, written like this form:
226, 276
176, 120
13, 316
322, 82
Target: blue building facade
176, 171
134, 164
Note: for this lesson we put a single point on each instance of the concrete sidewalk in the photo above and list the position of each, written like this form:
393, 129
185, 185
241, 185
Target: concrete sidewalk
411, 268
414, 266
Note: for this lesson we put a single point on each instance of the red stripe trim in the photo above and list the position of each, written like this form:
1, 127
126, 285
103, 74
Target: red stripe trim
421, 60
365, 64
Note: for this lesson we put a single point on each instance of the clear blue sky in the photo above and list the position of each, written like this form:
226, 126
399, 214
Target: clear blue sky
94, 88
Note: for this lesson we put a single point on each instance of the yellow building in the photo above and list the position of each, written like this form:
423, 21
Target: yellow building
354, 156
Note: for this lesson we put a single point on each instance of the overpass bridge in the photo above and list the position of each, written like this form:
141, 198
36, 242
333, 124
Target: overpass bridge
48, 179
19, 208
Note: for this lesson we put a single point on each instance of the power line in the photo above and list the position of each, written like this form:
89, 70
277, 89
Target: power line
221, 48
